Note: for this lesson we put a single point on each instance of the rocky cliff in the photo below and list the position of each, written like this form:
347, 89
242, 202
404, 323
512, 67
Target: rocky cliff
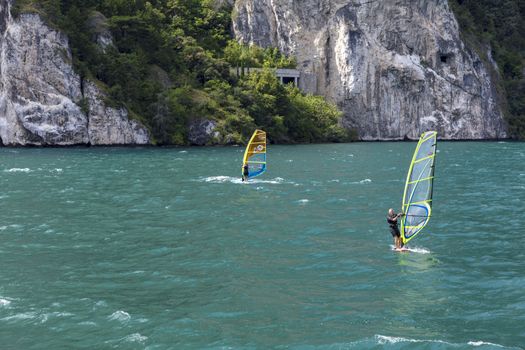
395, 67
41, 95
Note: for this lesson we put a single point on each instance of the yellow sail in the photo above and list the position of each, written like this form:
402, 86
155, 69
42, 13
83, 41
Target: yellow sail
255, 155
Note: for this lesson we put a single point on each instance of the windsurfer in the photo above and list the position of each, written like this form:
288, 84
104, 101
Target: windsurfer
245, 172
394, 230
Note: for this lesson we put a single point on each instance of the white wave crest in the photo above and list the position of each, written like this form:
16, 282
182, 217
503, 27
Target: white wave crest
418, 250
18, 170
275, 181
135, 338
303, 201
383, 340
120, 315
221, 179
237, 180
21, 316
362, 182
4, 302
481, 343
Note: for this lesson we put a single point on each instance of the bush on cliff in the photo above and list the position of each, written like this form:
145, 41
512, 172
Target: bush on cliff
170, 64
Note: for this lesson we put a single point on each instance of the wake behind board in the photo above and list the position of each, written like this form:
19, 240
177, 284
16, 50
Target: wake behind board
401, 250
410, 250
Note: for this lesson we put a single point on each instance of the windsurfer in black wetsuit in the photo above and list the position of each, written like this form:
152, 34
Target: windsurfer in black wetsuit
391, 218
245, 172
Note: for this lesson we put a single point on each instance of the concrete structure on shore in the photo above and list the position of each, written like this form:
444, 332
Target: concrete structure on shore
305, 81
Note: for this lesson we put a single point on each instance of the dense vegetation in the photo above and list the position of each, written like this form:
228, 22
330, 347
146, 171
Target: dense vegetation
499, 25
171, 64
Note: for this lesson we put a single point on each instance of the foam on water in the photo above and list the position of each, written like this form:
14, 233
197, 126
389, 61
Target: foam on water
361, 182
221, 179
135, 338
18, 170
21, 316
238, 180
120, 315
418, 250
385, 340
482, 343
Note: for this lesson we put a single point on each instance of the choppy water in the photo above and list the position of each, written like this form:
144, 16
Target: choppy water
166, 248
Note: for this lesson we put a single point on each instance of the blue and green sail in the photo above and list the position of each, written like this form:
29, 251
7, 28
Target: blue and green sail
417, 198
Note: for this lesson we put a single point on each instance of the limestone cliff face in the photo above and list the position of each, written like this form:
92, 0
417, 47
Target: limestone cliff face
395, 67
40, 94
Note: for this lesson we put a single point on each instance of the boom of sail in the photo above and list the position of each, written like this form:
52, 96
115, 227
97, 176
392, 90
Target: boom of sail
417, 198
255, 154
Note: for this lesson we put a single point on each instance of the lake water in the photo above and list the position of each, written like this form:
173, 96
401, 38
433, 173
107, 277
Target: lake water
166, 249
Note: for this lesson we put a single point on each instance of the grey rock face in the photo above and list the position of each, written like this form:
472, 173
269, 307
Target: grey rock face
98, 24
395, 67
202, 132
108, 125
40, 93
38, 87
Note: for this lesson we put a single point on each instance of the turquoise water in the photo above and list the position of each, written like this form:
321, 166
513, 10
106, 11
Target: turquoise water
166, 249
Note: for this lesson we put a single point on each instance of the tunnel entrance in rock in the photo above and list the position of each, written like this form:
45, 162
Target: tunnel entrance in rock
288, 80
